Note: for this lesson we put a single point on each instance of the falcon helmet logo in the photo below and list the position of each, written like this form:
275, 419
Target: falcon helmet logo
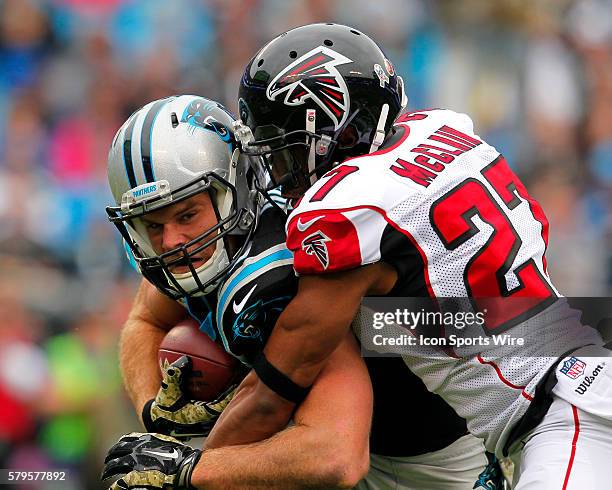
314, 244
315, 76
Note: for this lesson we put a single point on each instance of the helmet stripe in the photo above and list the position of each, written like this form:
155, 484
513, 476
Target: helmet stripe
145, 138
127, 153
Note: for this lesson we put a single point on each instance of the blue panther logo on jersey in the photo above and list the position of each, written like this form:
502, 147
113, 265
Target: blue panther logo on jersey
246, 325
195, 114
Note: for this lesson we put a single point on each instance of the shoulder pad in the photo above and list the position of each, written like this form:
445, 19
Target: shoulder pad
251, 300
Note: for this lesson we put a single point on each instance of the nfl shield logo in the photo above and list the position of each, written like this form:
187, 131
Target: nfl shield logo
573, 368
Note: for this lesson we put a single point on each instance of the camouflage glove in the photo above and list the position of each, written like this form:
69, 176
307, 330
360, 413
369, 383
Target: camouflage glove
151, 461
171, 413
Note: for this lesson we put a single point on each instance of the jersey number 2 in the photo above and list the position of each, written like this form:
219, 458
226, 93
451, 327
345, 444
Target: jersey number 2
485, 274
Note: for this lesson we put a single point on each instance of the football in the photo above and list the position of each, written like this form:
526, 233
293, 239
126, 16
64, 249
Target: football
212, 369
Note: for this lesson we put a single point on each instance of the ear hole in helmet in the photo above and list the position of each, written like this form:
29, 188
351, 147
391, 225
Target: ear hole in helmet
260, 62
174, 119
328, 42
357, 33
292, 54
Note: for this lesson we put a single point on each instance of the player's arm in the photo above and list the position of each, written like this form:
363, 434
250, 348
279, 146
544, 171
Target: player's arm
151, 316
326, 448
305, 335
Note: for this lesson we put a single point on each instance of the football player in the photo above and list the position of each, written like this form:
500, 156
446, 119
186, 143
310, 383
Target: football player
415, 206
207, 247
187, 216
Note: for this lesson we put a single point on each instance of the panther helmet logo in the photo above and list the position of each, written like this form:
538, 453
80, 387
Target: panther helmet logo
315, 76
314, 244
195, 114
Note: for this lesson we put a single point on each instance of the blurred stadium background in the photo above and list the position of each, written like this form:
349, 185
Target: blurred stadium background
536, 76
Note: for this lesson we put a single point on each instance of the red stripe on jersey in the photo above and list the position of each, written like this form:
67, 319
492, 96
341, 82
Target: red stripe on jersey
294, 241
450, 142
574, 442
405, 133
413, 116
501, 376
458, 136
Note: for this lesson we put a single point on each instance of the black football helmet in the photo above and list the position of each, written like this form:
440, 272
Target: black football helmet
314, 96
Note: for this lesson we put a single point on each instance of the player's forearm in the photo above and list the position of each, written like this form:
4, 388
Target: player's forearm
151, 316
298, 457
318, 318
254, 414
138, 358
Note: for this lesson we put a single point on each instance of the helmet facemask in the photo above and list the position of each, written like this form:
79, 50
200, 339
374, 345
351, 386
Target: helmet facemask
295, 160
173, 151
160, 267
289, 159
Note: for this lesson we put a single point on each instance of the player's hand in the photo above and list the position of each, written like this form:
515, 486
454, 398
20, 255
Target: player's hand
172, 413
152, 461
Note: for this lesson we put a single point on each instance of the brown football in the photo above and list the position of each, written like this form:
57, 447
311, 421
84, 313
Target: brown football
213, 369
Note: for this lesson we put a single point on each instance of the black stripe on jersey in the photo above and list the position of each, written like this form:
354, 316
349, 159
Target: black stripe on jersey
397, 249
127, 153
145, 139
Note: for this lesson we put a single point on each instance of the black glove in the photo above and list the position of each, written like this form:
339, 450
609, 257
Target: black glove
171, 413
151, 461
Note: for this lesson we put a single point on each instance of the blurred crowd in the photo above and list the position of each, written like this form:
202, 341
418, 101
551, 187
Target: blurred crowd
536, 76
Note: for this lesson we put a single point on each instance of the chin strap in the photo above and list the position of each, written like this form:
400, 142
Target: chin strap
311, 117
402, 89
379, 136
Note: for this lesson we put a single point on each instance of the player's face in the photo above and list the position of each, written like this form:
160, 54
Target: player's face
290, 168
177, 225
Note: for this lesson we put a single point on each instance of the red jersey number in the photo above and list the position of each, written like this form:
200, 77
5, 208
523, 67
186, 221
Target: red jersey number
334, 176
484, 276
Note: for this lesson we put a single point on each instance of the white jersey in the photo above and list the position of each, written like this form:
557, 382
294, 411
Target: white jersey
443, 207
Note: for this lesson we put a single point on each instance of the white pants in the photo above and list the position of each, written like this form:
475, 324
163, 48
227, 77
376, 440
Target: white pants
571, 449
455, 467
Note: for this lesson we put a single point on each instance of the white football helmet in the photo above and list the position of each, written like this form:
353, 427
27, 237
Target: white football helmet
168, 151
